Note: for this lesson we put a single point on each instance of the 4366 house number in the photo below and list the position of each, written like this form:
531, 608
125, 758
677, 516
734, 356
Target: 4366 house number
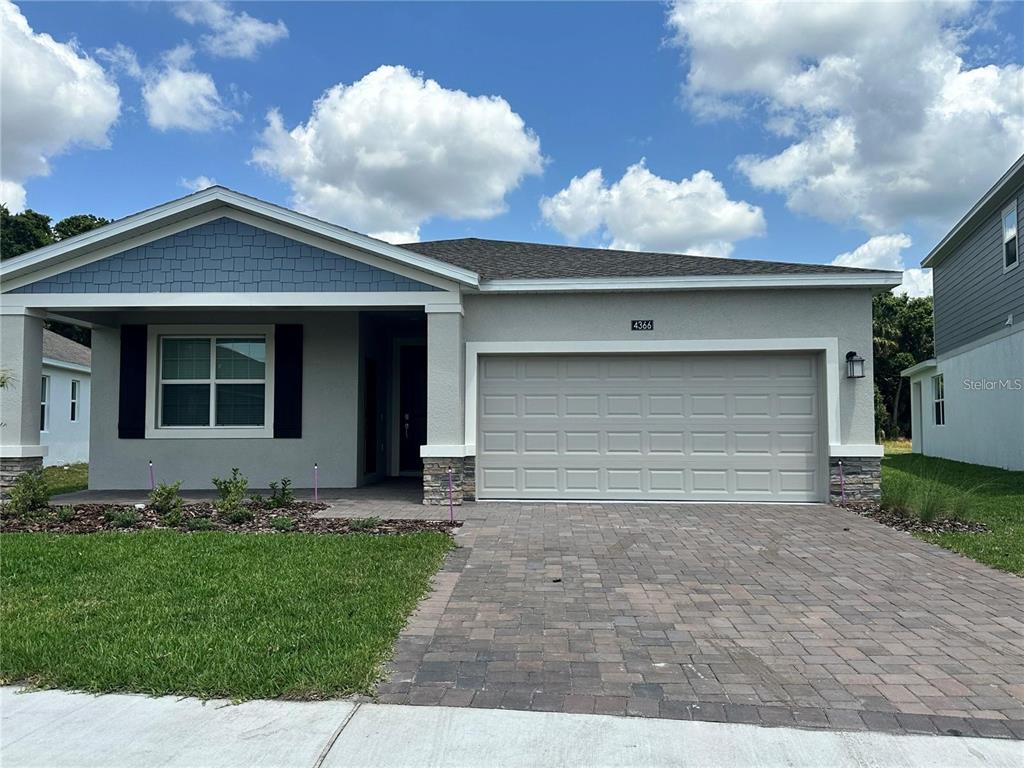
642, 325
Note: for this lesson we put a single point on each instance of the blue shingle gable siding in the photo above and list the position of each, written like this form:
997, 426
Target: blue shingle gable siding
224, 256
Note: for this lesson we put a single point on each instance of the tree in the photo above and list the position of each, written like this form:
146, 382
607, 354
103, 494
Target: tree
77, 224
23, 232
903, 336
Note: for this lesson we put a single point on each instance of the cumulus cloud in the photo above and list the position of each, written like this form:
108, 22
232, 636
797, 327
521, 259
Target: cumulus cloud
645, 212
232, 35
394, 149
197, 183
886, 252
54, 97
886, 120
180, 97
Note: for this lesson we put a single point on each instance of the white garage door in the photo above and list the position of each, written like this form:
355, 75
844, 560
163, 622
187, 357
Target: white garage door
666, 427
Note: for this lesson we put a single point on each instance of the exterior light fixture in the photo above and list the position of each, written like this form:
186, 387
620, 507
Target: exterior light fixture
854, 366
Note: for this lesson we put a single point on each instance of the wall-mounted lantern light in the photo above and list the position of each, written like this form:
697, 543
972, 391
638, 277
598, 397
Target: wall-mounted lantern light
854, 366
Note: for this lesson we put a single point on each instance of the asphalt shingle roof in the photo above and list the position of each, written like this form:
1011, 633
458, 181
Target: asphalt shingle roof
506, 260
57, 347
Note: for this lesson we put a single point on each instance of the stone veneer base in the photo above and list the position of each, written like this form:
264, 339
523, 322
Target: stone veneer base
13, 468
435, 479
856, 478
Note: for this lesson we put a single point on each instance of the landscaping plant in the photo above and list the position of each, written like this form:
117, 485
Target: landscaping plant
166, 498
363, 523
199, 524
281, 496
283, 524
231, 493
29, 493
121, 518
66, 514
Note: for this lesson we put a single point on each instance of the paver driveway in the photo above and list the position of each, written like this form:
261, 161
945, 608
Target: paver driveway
755, 613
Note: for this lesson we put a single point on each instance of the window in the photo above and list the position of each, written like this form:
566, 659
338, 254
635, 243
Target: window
44, 398
1010, 255
212, 381
939, 394
75, 387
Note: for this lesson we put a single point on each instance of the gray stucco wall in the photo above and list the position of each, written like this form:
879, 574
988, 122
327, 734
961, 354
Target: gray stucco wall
445, 379
21, 349
329, 415
224, 256
973, 295
843, 313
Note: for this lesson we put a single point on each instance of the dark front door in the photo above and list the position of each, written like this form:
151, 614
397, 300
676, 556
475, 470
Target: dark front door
412, 406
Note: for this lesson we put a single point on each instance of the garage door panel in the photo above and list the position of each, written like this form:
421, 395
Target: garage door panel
666, 427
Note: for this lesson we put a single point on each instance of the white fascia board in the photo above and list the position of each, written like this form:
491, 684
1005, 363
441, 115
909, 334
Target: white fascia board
446, 451
919, 368
247, 300
697, 282
65, 365
864, 451
23, 451
180, 209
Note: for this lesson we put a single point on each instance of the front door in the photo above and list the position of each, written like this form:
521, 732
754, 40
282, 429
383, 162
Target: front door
412, 406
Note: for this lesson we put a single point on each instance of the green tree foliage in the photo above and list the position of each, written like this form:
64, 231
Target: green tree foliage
77, 224
903, 336
23, 232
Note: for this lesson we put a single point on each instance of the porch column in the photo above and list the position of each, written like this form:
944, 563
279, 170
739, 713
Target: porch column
21, 359
446, 409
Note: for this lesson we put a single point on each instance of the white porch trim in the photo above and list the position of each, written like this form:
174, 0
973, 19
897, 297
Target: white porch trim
829, 345
245, 300
23, 451
446, 451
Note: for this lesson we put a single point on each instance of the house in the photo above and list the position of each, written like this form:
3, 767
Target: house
64, 400
967, 403
230, 332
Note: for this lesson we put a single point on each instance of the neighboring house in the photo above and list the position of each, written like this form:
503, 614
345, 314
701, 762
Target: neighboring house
64, 400
967, 403
229, 332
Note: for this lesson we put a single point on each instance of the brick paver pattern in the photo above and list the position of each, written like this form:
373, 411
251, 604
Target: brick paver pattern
780, 615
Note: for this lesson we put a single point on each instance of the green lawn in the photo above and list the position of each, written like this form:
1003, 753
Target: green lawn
68, 478
208, 614
998, 501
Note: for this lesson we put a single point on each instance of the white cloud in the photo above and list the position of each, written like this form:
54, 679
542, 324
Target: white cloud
916, 283
197, 183
177, 96
393, 149
880, 252
232, 35
644, 212
53, 96
887, 122
121, 59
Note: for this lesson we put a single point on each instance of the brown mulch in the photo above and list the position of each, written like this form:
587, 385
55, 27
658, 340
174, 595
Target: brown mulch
93, 518
911, 523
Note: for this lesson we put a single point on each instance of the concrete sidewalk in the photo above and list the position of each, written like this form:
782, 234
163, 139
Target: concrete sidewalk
54, 728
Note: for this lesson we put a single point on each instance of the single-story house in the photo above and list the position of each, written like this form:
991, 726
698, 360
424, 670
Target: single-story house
64, 400
967, 403
230, 332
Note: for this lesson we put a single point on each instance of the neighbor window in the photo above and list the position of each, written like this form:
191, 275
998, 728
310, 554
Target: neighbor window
213, 381
75, 386
939, 393
1010, 254
44, 398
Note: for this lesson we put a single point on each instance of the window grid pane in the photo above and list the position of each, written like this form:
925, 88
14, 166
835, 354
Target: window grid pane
185, 405
241, 358
185, 359
240, 405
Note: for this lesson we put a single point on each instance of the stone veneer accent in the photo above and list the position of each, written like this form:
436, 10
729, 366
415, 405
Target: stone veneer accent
860, 477
435, 480
13, 468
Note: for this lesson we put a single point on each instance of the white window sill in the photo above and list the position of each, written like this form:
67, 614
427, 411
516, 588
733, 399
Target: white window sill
206, 433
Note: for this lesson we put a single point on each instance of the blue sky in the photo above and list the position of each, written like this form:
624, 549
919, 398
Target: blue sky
772, 132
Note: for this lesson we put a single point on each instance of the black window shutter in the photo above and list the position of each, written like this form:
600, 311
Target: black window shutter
131, 406
288, 381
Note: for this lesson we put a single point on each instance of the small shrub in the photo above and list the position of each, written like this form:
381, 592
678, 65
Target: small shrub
166, 498
121, 518
283, 524
173, 518
897, 492
199, 524
363, 523
231, 492
66, 514
281, 496
258, 500
932, 502
29, 493
237, 516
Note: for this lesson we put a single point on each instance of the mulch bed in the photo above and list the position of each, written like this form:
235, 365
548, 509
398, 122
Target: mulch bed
92, 518
906, 521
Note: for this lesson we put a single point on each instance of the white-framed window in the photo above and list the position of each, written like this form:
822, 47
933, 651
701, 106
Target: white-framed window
939, 398
1011, 255
211, 381
44, 400
76, 387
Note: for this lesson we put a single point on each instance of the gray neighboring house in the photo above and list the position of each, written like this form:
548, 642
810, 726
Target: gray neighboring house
967, 403
64, 400
230, 332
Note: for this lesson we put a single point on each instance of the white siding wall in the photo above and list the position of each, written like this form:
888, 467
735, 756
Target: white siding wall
67, 441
